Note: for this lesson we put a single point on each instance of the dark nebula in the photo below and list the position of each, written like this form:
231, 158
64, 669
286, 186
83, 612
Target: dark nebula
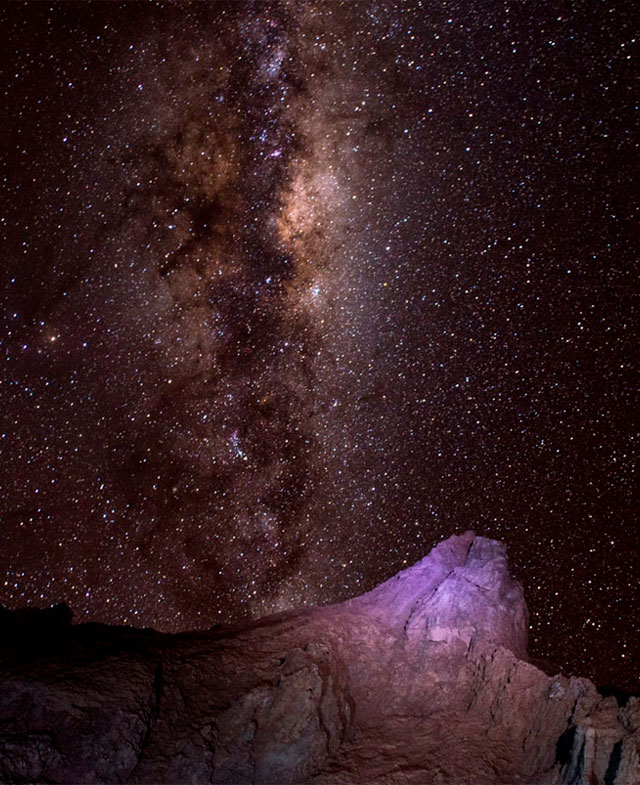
292, 290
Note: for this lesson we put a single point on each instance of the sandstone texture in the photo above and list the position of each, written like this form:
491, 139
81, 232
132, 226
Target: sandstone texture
423, 680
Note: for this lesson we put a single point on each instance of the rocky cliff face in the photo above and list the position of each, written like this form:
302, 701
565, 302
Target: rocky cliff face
423, 680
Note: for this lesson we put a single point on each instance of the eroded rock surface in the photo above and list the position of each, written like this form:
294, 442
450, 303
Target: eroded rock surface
423, 680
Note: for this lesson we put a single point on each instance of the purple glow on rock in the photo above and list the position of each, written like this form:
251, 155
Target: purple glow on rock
462, 589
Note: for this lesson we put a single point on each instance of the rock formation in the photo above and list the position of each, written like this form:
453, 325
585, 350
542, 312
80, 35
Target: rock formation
423, 680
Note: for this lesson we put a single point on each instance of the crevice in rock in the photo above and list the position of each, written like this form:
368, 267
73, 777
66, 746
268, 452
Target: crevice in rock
564, 746
473, 583
466, 556
154, 713
614, 764
421, 602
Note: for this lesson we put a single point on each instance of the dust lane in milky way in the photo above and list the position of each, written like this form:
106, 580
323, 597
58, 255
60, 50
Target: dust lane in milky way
293, 290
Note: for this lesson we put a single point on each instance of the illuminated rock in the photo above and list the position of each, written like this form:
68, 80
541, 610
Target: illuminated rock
422, 680
461, 590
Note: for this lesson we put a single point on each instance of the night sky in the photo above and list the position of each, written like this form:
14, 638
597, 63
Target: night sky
291, 291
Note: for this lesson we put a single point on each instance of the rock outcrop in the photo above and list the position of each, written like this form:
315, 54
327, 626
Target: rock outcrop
423, 680
461, 590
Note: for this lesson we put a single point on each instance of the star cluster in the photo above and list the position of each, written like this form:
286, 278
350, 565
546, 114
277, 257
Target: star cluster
292, 290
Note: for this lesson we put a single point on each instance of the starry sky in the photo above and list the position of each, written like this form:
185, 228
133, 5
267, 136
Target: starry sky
290, 291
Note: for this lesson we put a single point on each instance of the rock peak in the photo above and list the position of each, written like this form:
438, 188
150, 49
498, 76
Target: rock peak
461, 589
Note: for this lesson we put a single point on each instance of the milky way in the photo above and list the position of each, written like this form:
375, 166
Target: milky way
291, 291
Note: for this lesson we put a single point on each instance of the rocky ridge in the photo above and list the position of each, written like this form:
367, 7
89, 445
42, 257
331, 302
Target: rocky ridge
423, 680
